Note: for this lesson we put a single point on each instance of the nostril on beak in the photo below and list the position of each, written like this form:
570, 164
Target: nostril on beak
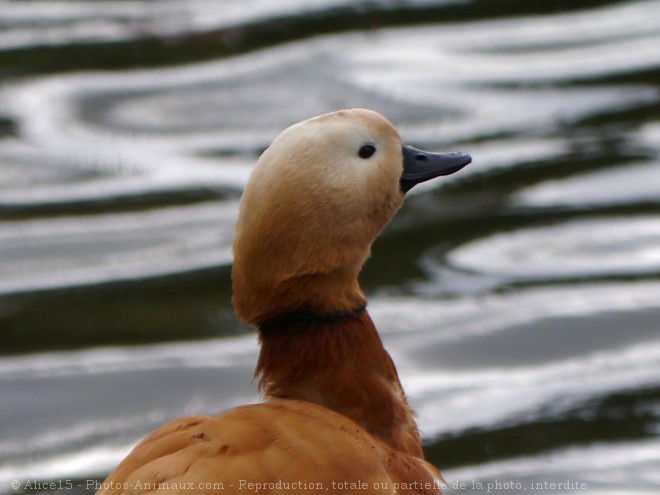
421, 157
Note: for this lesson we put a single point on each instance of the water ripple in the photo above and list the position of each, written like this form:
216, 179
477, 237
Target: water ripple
64, 252
584, 248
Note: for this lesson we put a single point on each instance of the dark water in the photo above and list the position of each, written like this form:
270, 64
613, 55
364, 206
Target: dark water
519, 298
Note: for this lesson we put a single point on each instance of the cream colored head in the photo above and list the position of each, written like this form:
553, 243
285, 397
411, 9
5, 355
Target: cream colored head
314, 203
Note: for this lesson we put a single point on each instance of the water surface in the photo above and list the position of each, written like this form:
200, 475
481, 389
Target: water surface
520, 298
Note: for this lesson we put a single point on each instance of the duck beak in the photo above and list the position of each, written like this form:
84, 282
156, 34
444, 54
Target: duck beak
420, 166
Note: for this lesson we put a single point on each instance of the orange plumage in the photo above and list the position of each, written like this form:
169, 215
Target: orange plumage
335, 418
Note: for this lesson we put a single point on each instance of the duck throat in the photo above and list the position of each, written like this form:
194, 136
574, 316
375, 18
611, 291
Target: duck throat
338, 361
267, 293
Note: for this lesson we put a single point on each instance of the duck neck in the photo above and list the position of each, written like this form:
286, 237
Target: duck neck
338, 361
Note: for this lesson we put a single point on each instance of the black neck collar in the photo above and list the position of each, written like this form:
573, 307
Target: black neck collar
304, 317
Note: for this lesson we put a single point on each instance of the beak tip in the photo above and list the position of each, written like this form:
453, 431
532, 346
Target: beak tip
464, 158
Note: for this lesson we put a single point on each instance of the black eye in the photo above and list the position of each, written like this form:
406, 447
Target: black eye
367, 151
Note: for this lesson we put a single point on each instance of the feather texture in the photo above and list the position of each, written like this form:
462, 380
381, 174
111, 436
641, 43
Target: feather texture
280, 446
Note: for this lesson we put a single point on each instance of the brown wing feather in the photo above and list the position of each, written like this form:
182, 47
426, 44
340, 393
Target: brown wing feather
287, 446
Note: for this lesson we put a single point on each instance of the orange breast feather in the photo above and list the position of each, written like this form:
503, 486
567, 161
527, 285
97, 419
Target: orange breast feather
277, 447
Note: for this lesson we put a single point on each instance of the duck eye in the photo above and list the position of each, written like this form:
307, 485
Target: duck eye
367, 151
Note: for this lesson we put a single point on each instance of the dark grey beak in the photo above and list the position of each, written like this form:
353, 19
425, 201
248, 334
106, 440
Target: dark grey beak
420, 166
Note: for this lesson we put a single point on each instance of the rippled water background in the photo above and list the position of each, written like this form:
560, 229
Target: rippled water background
519, 298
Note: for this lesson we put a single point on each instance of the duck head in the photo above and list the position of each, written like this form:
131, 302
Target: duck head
312, 207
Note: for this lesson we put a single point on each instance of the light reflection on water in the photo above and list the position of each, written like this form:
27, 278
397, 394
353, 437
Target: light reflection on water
612, 246
518, 298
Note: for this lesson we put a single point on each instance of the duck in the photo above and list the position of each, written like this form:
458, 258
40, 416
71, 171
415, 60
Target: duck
334, 417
